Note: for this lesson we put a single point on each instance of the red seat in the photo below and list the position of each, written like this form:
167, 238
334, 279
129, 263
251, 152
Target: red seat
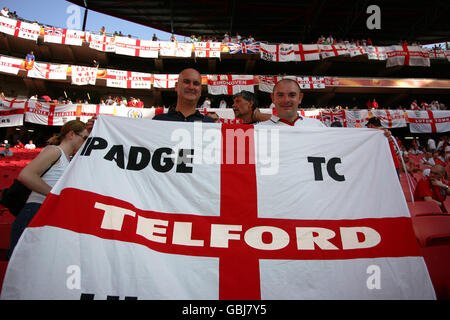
5, 236
437, 259
432, 230
424, 208
3, 266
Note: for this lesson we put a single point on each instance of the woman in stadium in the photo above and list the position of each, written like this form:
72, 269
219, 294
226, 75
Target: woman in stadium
42, 173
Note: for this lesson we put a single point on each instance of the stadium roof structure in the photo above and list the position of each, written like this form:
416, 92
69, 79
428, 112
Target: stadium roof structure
286, 21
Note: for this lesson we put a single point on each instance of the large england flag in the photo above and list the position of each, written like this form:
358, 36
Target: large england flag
311, 82
48, 71
207, 49
166, 210
19, 28
51, 114
101, 43
428, 121
175, 49
307, 52
407, 56
376, 53
230, 84
356, 118
64, 36
11, 112
128, 79
327, 51
10, 65
390, 118
136, 47
82, 75
282, 52
165, 81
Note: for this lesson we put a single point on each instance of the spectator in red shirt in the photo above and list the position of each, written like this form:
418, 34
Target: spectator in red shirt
433, 188
374, 104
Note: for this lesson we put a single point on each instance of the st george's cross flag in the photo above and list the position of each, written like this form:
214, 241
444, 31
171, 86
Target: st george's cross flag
11, 112
376, 53
267, 83
165, 81
136, 47
327, 51
311, 82
197, 216
175, 49
128, 79
18, 28
306, 52
10, 65
101, 42
390, 118
230, 84
51, 114
355, 50
356, 118
48, 71
407, 56
207, 49
428, 121
282, 52
64, 36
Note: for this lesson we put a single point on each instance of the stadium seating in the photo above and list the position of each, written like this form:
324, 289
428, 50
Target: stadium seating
424, 208
432, 230
437, 259
3, 266
5, 234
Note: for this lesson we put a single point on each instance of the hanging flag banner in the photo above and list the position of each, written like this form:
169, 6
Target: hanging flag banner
306, 52
244, 47
355, 50
179, 243
10, 65
175, 49
82, 75
48, 71
330, 116
207, 49
51, 114
64, 36
165, 81
136, 47
101, 43
267, 83
311, 82
11, 112
327, 51
376, 53
19, 28
407, 56
282, 52
356, 118
230, 84
428, 121
390, 118
128, 79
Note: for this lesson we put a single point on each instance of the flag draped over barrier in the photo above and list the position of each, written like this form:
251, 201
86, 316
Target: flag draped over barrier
213, 224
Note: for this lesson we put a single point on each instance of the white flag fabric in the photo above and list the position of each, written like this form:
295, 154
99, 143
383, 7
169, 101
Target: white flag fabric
51, 114
267, 83
376, 53
230, 84
64, 36
165, 80
212, 227
327, 51
136, 47
175, 49
390, 118
128, 79
282, 52
355, 50
356, 118
407, 56
19, 28
207, 49
311, 82
428, 121
306, 52
101, 43
48, 71
10, 65
82, 75
11, 112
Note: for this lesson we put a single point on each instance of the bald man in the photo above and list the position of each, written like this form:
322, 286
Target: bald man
189, 91
433, 187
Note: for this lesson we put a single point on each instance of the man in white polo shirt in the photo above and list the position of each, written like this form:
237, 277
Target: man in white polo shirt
287, 97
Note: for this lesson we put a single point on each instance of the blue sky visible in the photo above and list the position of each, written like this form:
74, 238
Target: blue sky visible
63, 14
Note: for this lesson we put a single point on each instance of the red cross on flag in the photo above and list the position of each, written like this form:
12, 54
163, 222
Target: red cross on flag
327, 51
266, 83
282, 52
407, 56
306, 52
355, 50
10, 65
101, 43
311, 82
136, 47
19, 28
330, 116
356, 118
207, 49
233, 212
128, 79
230, 84
63, 36
48, 71
428, 121
165, 80
390, 118
11, 112
175, 49
50, 114
376, 53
